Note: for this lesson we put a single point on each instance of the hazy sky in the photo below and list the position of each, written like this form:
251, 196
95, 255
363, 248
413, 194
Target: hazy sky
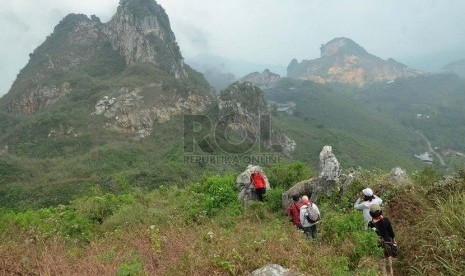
261, 31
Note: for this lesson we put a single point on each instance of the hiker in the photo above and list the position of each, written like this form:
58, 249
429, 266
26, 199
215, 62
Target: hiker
365, 200
309, 224
259, 184
294, 211
382, 226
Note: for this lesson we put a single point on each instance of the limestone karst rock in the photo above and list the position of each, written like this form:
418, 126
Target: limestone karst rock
329, 166
344, 61
245, 187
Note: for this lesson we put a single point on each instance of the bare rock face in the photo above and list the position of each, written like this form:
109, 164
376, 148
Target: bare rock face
305, 187
142, 33
344, 61
398, 175
4, 150
245, 187
329, 166
248, 105
274, 270
263, 80
39, 98
74, 41
286, 143
129, 112
60, 132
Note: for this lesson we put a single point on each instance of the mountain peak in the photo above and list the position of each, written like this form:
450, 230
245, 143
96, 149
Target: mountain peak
341, 46
83, 55
344, 61
141, 31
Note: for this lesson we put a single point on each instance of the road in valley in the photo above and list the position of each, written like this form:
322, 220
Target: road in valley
430, 148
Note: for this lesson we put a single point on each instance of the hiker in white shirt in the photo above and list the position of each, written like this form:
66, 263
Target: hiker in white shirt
364, 202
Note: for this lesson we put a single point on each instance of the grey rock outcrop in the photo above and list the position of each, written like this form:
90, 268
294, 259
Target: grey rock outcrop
346, 179
274, 270
286, 144
61, 131
247, 104
398, 175
4, 151
245, 187
130, 113
263, 80
329, 166
325, 184
39, 98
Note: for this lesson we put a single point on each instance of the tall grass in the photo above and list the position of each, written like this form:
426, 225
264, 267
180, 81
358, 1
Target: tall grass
203, 230
442, 240
156, 233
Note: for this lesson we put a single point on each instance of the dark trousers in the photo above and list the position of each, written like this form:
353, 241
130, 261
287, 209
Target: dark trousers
310, 232
260, 193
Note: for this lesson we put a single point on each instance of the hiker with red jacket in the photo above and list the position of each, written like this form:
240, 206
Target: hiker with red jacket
294, 211
259, 183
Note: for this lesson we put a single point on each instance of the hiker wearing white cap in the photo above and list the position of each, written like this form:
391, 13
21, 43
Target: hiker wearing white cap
364, 202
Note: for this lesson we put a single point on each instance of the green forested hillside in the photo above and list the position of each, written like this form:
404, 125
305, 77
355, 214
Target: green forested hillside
57, 169
360, 136
434, 104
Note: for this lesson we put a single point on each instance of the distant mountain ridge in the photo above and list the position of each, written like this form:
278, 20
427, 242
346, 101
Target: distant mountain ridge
457, 67
262, 80
344, 61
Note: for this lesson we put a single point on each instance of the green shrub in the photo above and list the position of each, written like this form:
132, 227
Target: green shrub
366, 244
98, 208
215, 194
337, 266
61, 222
273, 199
337, 226
345, 229
127, 215
130, 269
285, 176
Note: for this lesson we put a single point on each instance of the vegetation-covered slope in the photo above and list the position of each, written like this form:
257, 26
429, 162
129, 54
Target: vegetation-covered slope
434, 104
359, 135
203, 230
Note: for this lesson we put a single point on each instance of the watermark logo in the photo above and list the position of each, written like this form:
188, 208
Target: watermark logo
230, 139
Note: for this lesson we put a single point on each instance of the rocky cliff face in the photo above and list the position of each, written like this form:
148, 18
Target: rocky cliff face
141, 32
134, 58
75, 40
344, 61
248, 106
263, 80
130, 112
